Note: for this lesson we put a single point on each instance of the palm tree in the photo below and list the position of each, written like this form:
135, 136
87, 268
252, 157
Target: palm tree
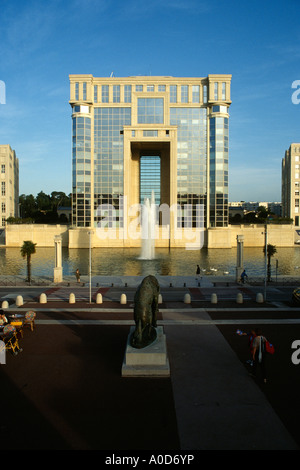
271, 250
28, 249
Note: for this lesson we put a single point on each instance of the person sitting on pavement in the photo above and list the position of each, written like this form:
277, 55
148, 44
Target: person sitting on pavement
3, 319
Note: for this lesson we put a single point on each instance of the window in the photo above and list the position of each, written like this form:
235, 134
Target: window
2, 168
95, 93
196, 93
216, 90
161, 87
138, 87
150, 87
76, 91
3, 188
184, 94
205, 94
84, 91
150, 111
173, 94
116, 93
84, 109
127, 93
150, 133
105, 93
3, 206
223, 91
150, 178
219, 109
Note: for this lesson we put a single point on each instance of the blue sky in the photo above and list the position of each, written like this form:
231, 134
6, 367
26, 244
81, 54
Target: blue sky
258, 42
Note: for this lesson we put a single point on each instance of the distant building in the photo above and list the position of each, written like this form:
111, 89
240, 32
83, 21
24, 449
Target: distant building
64, 213
252, 206
9, 195
134, 134
290, 183
275, 208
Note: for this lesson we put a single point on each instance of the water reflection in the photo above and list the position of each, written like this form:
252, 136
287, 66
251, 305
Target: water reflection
126, 262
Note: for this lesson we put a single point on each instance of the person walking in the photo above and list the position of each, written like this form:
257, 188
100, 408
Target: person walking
198, 269
259, 354
77, 274
243, 276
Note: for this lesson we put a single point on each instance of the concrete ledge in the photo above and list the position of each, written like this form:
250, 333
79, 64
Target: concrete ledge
151, 361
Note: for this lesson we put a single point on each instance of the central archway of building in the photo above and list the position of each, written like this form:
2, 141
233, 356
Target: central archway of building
150, 170
150, 181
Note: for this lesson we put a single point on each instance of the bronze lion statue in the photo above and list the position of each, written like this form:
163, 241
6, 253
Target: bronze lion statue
145, 313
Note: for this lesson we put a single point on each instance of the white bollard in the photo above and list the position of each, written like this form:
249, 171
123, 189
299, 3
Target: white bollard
99, 298
239, 298
259, 298
187, 299
19, 300
123, 299
214, 299
43, 298
5, 304
72, 298
160, 299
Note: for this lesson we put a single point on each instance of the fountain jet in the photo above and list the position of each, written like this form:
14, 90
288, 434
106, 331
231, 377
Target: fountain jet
148, 228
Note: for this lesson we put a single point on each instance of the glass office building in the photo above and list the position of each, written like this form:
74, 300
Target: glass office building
135, 135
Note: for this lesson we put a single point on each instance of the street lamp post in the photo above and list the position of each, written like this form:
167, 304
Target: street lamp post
266, 260
90, 265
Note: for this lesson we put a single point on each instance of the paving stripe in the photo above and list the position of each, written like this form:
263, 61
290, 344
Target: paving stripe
285, 321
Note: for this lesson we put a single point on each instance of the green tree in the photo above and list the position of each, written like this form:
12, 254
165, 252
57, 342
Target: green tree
42, 209
28, 249
27, 205
43, 201
271, 250
262, 212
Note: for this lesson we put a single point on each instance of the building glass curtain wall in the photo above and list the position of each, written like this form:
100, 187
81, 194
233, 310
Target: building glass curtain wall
150, 178
191, 160
108, 159
81, 170
218, 172
133, 133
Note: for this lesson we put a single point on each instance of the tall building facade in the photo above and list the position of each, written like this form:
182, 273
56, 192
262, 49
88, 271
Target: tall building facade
290, 183
137, 134
9, 196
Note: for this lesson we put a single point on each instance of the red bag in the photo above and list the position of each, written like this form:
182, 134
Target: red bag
269, 347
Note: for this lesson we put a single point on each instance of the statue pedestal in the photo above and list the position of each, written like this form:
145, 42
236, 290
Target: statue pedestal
151, 361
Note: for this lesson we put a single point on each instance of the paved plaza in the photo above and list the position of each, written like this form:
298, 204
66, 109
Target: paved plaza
65, 390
